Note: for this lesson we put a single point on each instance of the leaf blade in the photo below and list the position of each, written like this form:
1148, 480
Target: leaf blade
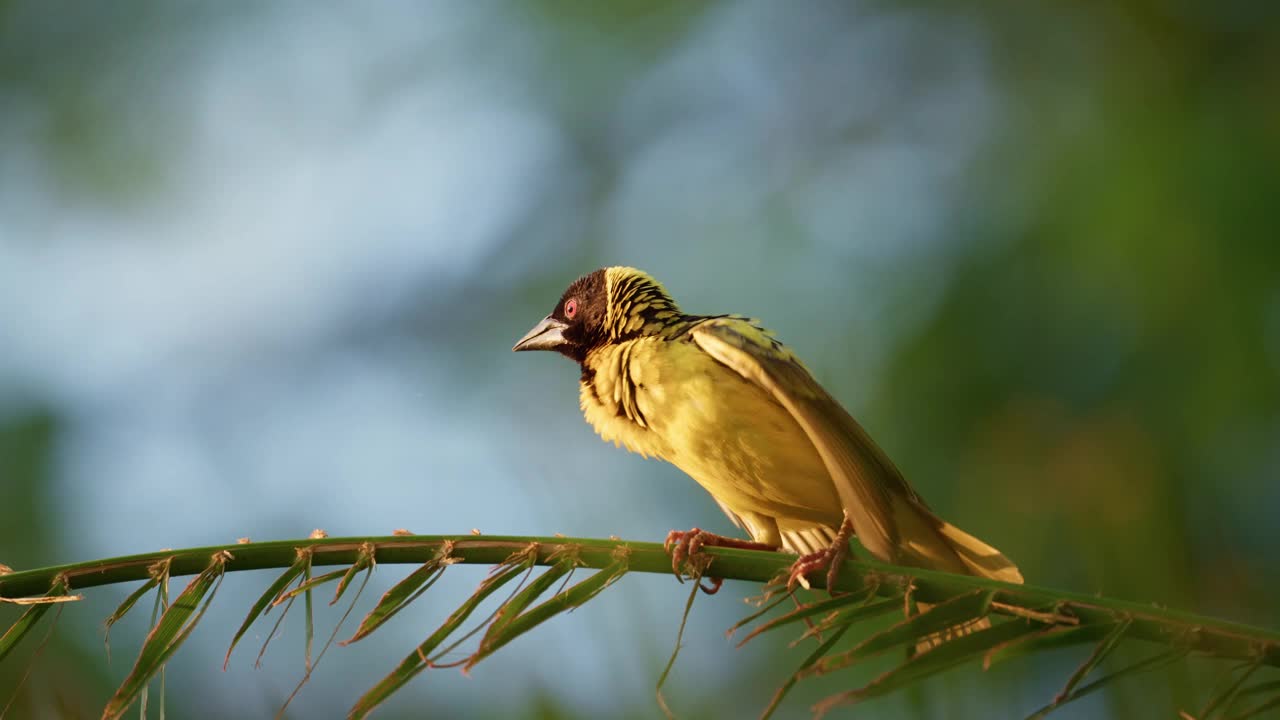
264, 601
564, 601
850, 617
814, 657
309, 585
511, 610
364, 561
174, 627
1103, 649
945, 656
956, 611
1050, 638
1150, 663
402, 594
28, 619
1228, 695
419, 659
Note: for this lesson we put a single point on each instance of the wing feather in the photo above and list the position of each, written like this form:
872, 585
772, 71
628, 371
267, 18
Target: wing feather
888, 517
863, 475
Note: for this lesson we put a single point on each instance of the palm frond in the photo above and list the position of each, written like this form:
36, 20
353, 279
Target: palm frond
1002, 621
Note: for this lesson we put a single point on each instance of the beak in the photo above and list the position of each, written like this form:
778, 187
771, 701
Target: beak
546, 335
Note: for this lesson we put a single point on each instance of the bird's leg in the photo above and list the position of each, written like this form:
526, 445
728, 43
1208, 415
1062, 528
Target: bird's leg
831, 558
685, 545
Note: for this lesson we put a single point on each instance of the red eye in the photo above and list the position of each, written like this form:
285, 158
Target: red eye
571, 308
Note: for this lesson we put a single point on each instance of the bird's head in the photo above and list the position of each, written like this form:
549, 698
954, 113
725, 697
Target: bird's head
607, 306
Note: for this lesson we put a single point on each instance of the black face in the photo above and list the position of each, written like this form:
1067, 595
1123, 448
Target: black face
583, 308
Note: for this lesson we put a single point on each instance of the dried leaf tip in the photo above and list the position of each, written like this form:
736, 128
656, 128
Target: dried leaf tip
475, 531
318, 534
42, 600
5, 569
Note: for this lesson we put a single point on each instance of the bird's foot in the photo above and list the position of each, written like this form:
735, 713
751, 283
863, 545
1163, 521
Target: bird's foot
830, 558
806, 564
685, 547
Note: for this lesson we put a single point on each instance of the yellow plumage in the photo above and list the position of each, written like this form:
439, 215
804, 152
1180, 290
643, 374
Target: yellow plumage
672, 400
728, 404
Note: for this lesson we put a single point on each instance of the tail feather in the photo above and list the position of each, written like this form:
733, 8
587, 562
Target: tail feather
980, 558
810, 540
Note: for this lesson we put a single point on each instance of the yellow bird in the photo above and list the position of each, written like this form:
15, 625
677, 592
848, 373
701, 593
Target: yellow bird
718, 397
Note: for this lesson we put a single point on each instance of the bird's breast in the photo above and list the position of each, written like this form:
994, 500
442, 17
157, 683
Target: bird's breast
617, 403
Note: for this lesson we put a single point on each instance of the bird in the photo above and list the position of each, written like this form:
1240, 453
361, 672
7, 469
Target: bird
723, 400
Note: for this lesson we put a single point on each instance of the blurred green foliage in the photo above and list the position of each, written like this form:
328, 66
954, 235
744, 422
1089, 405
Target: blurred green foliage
70, 680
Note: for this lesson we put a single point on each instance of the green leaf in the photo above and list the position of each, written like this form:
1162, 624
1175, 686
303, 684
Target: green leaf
29, 618
264, 601
1224, 699
864, 611
311, 584
332, 636
161, 603
57, 596
35, 657
675, 651
1103, 649
418, 660
1050, 638
518, 560
176, 624
122, 610
767, 603
403, 593
1260, 688
1151, 663
510, 611
814, 657
940, 617
945, 656
1258, 709
563, 601
309, 618
275, 628
363, 562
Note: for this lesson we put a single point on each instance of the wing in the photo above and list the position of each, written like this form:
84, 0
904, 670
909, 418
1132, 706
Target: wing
868, 484
889, 518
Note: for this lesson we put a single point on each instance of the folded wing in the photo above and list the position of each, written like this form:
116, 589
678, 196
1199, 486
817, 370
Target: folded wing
889, 518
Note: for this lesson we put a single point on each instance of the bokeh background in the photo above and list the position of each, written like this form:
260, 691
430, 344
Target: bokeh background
261, 265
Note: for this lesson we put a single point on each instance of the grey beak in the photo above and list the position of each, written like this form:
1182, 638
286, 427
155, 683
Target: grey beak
546, 335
